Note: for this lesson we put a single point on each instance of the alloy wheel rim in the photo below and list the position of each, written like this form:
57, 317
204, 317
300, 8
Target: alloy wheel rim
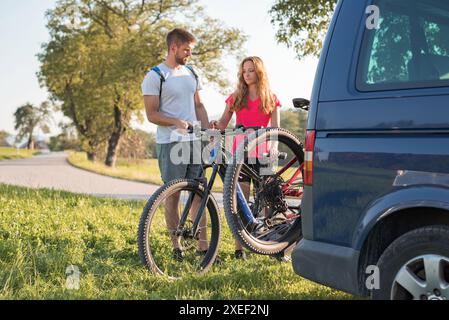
425, 277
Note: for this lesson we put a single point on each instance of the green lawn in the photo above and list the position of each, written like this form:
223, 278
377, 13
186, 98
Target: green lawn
12, 153
43, 232
136, 170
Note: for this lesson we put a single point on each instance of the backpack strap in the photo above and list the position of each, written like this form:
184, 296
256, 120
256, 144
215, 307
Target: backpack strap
159, 72
194, 74
161, 76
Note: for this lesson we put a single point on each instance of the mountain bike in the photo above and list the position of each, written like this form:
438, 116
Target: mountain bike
270, 222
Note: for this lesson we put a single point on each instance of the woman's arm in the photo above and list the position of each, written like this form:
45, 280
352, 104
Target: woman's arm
275, 123
276, 118
224, 120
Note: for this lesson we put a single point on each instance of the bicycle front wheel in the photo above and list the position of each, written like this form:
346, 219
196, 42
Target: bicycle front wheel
168, 245
267, 170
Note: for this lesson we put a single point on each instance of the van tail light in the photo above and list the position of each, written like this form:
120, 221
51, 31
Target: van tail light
308, 157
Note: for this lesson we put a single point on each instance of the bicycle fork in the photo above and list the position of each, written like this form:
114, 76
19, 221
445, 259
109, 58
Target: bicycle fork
194, 232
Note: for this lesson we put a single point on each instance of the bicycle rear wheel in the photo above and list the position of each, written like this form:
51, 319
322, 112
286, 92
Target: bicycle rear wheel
157, 241
275, 191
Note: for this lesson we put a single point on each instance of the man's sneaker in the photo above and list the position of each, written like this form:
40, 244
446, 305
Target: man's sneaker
217, 260
178, 255
240, 255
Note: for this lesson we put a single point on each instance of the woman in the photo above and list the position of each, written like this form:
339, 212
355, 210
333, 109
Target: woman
254, 105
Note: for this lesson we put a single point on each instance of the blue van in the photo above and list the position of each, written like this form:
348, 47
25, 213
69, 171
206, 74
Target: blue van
376, 199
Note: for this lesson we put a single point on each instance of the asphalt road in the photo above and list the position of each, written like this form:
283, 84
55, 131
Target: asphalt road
52, 171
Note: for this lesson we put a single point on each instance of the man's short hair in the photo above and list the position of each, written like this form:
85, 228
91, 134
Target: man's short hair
179, 36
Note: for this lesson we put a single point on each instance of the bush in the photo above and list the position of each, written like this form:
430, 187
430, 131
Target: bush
295, 121
137, 144
3, 139
64, 142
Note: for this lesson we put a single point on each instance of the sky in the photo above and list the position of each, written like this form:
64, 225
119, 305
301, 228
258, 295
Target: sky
23, 31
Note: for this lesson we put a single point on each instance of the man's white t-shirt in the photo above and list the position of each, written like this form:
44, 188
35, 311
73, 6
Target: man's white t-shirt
176, 101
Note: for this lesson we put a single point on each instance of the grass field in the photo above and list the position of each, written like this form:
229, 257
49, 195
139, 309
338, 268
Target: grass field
43, 232
139, 170
12, 153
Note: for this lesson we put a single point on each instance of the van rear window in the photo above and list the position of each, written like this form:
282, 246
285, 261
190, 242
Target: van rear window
409, 49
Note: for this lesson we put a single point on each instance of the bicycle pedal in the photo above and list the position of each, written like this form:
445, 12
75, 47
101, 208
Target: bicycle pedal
201, 180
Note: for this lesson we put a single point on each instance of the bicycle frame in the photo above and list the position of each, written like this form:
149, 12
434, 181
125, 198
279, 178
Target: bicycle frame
220, 169
285, 188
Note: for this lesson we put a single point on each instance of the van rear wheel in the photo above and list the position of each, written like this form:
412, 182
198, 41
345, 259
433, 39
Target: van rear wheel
416, 266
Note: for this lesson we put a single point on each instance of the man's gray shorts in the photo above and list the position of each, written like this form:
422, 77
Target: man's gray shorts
171, 168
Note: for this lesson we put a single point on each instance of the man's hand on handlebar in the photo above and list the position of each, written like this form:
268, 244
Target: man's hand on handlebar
183, 126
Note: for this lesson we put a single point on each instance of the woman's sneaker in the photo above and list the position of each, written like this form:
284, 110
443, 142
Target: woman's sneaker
240, 255
178, 255
281, 257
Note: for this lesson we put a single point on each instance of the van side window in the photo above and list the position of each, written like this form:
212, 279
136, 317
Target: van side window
410, 48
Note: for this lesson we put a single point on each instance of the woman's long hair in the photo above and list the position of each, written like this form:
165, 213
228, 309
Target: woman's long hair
267, 100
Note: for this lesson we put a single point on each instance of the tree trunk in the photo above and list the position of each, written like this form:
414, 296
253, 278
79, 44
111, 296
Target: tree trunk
92, 152
92, 156
30, 144
113, 143
114, 140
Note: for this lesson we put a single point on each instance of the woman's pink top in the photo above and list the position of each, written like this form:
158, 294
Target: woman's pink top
252, 117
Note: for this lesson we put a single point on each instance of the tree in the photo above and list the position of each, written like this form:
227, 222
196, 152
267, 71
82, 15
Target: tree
100, 50
138, 144
73, 75
3, 138
302, 24
28, 118
66, 140
295, 121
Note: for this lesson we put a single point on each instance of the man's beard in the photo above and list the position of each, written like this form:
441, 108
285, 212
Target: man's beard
181, 61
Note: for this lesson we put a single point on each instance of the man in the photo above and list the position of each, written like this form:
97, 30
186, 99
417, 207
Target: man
173, 103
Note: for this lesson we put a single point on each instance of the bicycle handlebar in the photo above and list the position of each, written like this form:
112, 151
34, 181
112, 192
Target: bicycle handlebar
191, 129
